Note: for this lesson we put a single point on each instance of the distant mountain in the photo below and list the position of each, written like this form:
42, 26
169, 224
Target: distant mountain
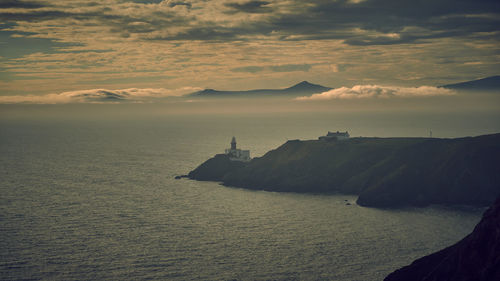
485, 84
301, 89
476, 257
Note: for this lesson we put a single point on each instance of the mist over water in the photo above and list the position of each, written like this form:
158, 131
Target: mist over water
93, 197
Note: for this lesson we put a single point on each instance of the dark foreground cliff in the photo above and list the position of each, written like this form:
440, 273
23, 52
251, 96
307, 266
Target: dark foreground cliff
384, 172
474, 258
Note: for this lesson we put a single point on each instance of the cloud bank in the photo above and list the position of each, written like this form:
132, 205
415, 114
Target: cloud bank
133, 95
357, 22
53, 45
375, 91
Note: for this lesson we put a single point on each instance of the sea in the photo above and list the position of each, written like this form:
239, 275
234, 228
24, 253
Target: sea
95, 198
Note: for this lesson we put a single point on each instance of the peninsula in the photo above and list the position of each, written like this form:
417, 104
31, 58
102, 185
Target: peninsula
383, 172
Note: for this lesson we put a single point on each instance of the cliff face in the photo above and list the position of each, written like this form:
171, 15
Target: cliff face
384, 172
476, 257
215, 169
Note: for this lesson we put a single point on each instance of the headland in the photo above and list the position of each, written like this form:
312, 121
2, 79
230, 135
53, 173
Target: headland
383, 172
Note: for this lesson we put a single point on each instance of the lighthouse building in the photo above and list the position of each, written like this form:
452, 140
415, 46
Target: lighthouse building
236, 154
341, 136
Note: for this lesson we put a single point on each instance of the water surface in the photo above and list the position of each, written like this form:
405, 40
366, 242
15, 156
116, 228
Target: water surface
96, 199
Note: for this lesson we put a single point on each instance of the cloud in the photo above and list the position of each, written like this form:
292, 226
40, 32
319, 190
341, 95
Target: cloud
273, 68
179, 3
214, 43
249, 69
340, 67
290, 67
20, 4
370, 22
250, 7
145, 1
100, 96
388, 22
375, 91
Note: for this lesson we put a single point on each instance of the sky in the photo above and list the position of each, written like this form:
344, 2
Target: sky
54, 49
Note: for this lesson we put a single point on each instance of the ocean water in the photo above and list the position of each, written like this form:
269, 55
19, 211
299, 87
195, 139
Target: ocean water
96, 199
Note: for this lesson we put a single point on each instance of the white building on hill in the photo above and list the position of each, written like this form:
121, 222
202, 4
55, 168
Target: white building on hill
236, 154
335, 136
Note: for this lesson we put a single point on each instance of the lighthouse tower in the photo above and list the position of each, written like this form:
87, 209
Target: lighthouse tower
236, 154
233, 143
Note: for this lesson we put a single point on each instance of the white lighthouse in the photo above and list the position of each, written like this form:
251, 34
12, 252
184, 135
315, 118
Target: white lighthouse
236, 154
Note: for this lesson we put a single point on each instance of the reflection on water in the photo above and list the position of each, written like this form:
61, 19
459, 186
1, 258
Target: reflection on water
97, 200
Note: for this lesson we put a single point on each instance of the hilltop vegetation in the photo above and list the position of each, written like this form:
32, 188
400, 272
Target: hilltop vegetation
384, 172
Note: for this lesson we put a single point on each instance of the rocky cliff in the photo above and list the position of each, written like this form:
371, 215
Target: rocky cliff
474, 258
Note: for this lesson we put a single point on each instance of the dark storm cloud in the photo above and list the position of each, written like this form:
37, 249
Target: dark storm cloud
20, 4
370, 22
105, 17
169, 3
144, 1
38, 15
179, 3
383, 22
412, 20
249, 7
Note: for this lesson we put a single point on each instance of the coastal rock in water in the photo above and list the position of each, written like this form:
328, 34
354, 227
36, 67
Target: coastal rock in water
474, 258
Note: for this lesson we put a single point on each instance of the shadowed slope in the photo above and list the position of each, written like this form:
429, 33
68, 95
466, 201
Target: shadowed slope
476, 257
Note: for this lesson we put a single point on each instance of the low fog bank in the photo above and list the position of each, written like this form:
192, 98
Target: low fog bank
447, 116
130, 95
303, 91
367, 110
367, 99
377, 91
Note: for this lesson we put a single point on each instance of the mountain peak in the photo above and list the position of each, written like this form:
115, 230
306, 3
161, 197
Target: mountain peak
302, 88
306, 86
304, 83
